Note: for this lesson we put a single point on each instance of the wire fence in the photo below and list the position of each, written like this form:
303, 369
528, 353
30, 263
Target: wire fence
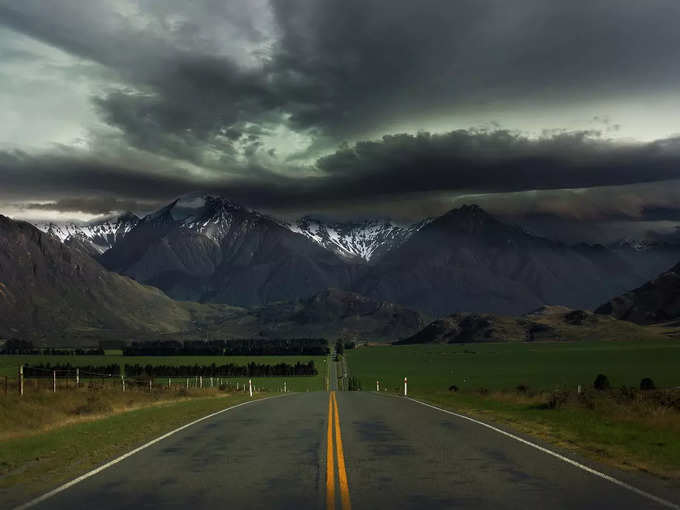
39, 379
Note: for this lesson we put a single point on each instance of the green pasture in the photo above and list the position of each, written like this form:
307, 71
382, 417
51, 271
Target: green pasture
542, 366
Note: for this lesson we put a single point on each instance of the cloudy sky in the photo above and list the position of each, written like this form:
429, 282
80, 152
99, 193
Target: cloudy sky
543, 112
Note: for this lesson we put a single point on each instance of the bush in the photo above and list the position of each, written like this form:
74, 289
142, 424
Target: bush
453, 387
557, 398
601, 382
522, 388
647, 384
484, 391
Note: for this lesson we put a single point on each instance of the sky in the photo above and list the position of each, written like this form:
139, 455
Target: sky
561, 116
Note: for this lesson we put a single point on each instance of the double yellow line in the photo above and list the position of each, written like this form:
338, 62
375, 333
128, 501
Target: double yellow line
334, 418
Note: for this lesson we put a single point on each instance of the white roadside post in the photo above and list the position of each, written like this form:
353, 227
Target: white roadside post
211, 382
187, 383
285, 389
122, 381
578, 389
149, 385
377, 385
405, 387
169, 382
21, 380
54, 381
250, 387
77, 377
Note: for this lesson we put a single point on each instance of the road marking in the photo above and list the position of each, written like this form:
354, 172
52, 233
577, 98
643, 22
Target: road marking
342, 473
330, 474
73, 482
590, 470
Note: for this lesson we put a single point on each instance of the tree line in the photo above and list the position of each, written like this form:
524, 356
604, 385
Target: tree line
252, 369
17, 346
238, 347
67, 370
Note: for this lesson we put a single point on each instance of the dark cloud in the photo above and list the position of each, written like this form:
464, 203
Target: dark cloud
94, 205
395, 171
202, 89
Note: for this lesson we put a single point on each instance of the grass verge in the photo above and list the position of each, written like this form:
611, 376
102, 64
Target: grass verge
631, 434
33, 463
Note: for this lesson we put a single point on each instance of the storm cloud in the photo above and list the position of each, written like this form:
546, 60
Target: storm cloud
341, 106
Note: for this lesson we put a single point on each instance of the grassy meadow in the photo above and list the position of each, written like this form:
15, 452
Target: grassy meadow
532, 388
542, 366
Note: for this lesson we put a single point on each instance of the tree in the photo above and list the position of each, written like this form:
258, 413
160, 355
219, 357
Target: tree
601, 382
647, 384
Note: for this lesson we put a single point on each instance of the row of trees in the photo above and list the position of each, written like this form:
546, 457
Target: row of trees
240, 347
66, 370
230, 370
17, 346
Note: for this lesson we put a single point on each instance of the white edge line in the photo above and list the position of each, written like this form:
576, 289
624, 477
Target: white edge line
101, 468
590, 470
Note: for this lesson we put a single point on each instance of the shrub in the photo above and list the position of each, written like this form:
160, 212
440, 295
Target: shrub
453, 387
557, 398
647, 384
484, 391
601, 382
522, 388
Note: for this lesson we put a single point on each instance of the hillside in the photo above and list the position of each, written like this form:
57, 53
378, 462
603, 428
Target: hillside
208, 249
47, 288
656, 301
554, 323
467, 260
329, 314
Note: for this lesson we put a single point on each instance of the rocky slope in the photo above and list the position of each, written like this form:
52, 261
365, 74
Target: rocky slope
94, 238
467, 260
364, 241
554, 323
50, 289
206, 248
656, 301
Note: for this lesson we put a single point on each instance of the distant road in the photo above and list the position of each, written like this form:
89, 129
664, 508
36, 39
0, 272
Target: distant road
395, 453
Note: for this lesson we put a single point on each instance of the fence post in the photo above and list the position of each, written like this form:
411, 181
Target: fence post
250, 386
77, 377
285, 388
405, 387
21, 380
54, 381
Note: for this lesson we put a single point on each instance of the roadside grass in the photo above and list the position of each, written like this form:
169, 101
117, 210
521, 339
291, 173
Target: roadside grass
627, 428
31, 464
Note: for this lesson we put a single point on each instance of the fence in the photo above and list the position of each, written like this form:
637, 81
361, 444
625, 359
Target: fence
42, 380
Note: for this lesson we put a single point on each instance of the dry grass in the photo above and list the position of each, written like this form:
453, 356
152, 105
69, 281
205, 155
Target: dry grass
39, 411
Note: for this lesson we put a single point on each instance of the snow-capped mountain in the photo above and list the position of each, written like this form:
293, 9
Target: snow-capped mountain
95, 237
364, 240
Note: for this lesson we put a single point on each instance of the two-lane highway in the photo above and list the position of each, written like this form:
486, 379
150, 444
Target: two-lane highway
369, 450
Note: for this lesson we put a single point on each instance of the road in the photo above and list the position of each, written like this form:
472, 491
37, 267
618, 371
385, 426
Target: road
395, 453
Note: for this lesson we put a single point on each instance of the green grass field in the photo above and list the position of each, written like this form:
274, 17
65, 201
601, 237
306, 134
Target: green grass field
543, 366
631, 433
9, 366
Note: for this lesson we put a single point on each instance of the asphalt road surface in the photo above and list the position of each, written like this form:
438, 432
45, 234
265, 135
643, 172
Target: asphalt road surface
387, 452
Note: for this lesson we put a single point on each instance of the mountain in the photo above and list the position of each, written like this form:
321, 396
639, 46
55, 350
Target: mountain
467, 260
331, 314
48, 289
655, 301
209, 249
94, 238
364, 241
550, 323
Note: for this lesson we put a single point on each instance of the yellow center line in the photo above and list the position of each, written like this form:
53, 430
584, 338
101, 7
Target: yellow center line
330, 475
342, 473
